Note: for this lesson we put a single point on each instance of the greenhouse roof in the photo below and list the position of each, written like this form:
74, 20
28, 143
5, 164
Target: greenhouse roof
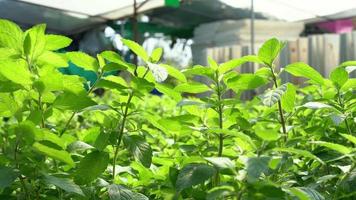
74, 16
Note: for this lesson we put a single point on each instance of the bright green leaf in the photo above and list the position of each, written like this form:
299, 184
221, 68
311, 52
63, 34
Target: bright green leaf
300, 69
91, 167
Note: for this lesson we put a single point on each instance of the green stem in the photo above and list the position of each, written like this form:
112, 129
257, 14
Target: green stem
22, 181
40, 105
121, 132
280, 110
342, 105
91, 89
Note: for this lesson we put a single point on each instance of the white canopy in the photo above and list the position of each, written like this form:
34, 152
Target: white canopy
73, 16
296, 10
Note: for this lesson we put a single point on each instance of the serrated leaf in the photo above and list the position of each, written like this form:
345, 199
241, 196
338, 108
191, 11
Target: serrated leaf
139, 148
272, 96
255, 166
219, 192
71, 101
339, 76
83, 60
246, 82
336, 147
113, 66
64, 183
56, 42
221, 162
193, 174
16, 71
304, 193
288, 98
192, 88
299, 152
156, 54
91, 167
229, 65
54, 59
265, 133
119, 192
7, 176
349, 85
11, 35
61, 155
35, 42
136, 48
169, 91
270, 50
300, 69
175, 73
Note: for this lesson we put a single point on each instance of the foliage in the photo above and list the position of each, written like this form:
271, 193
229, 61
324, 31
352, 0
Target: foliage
61, 140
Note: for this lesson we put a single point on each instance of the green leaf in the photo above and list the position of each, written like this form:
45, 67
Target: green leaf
156, 54
35, 42
255, 167
16, 72
219, 192
71, 101
348, 63
112, 82
299, 152
339, 76
270, 50
192, 88
350, 138
169, 91
193, 174
64, 183
83, 60
7, 176
336, 147
304, 193
119, 192
316, 105
229, 65
54, 153
54, 59
272, 96
56, 42
221, 162
11, 35
114, 57
199, 71
288, 98
91, 167
7, 53
137, 49
300, 69
265, 133
349, 85
212, 63
175, 73
139, 148
113, 66
246, 82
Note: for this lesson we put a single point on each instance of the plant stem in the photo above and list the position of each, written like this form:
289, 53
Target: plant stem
40, 105
280, 110
23, 184
341, 104
121, 132
91, 89
220, 111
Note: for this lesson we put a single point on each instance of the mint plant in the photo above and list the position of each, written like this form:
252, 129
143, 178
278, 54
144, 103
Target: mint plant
59, 140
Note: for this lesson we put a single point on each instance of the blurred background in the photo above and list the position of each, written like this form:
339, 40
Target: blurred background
319, 32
